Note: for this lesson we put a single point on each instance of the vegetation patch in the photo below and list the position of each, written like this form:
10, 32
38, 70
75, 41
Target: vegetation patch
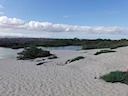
86, 44
74, 59
52, 57
104, 43
116, 76
104, 51
41, 63
32, 53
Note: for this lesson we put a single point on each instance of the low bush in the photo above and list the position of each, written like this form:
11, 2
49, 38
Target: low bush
41, 63
32, 53
74, 59
104, 51
116, 76
52, 57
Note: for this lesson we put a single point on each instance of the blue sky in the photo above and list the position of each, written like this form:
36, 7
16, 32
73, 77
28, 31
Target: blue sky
64, 18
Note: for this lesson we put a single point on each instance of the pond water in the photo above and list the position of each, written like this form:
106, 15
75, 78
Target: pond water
12, 53
62, 48
8, 52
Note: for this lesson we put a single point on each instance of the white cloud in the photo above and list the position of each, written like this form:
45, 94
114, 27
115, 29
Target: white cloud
4, 20
14, 24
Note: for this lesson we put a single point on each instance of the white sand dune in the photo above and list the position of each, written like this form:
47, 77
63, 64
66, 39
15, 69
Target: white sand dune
25, 78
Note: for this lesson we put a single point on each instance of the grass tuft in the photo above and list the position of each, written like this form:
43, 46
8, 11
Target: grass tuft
74, 59
104, 51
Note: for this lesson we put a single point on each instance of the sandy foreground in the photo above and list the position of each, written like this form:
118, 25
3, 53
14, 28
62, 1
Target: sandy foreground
55, 78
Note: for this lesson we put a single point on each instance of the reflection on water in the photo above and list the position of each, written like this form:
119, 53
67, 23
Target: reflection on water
62, 48
12, 53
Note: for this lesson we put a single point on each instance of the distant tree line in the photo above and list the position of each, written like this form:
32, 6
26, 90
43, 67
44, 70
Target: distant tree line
16, 43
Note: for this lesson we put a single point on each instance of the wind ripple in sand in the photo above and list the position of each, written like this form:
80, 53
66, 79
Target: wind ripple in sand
24, 78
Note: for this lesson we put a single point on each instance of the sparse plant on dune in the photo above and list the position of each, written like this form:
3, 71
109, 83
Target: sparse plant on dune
104, 51
74, 59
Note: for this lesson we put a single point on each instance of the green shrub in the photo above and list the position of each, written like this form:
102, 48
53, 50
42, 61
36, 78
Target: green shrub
41, 63
53, 57
32, 53
74, 59
104, 51
116, 76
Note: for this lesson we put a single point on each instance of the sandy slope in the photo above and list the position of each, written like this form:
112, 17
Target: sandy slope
25, 78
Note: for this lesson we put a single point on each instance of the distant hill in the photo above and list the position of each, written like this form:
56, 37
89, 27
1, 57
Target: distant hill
24, 38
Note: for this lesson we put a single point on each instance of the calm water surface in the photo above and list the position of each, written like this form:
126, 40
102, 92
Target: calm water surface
12, 53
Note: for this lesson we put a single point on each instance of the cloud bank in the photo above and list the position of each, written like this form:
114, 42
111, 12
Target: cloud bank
15, 25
